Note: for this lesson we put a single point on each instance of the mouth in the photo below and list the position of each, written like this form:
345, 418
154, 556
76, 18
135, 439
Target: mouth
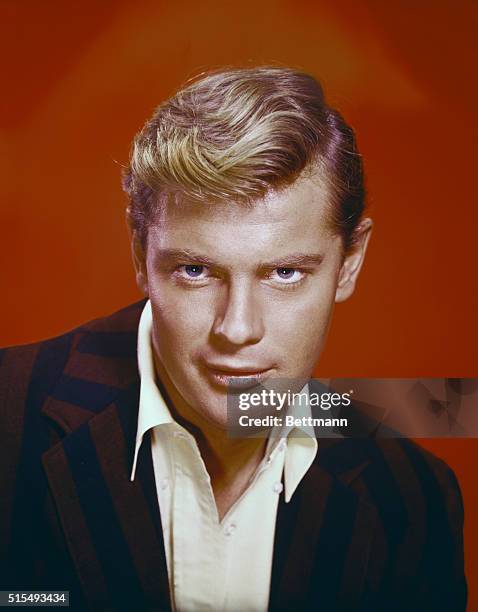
236, 377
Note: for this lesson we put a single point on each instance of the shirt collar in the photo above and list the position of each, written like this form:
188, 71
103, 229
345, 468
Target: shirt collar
153, 411
301, 444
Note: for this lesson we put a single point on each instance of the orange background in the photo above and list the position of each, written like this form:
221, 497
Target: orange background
80, 79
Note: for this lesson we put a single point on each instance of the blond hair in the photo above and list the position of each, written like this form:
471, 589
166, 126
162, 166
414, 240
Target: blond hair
238, 134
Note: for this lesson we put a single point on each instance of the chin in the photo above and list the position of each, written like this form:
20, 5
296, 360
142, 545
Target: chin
216, 415
213, 412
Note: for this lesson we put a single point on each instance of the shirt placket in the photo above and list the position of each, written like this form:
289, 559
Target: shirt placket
198, 551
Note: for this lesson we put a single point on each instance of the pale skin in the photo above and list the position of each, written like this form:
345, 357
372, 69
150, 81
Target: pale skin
236, 290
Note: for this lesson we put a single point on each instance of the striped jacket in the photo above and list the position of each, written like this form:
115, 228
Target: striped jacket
374, 524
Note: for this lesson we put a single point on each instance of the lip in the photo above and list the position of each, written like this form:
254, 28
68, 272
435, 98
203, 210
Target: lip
243, 376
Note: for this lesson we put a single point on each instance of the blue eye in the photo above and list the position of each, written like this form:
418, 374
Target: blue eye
286, 273
194, 271
287, 276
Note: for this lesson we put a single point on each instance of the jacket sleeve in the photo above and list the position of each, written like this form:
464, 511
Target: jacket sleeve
417, 560
445, 588
16, 365
440, 582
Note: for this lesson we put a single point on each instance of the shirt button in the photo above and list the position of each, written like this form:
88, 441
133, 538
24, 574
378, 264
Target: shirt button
282, 445
278, 487
230, 529
164, 483
268, 460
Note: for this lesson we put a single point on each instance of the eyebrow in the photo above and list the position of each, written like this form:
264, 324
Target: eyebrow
178, 254
295, 260
291, 260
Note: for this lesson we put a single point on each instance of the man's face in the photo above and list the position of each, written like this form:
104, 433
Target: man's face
242, 292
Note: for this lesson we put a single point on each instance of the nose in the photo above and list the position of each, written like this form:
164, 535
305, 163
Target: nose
239, 321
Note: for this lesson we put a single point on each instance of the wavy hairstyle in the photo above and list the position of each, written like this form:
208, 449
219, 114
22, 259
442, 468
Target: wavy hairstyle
239, 134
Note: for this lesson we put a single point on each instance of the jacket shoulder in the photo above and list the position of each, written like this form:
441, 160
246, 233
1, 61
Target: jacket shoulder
405, 480
35, 367
411, 464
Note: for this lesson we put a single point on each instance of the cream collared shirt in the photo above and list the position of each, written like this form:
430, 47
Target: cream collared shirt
213, 565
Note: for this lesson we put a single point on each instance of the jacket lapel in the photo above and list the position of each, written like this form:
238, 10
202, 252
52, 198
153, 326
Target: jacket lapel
112, 526
324, 534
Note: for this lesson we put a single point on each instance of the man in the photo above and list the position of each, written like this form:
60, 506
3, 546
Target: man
122, 486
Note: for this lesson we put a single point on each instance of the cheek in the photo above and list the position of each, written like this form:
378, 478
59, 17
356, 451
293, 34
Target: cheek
181, 320
300, 328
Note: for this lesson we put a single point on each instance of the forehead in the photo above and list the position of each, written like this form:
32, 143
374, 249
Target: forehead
298, 216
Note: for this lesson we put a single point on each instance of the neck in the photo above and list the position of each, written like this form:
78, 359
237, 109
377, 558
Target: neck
230, 462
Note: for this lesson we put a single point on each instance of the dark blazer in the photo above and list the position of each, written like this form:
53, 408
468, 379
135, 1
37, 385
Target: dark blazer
374, 524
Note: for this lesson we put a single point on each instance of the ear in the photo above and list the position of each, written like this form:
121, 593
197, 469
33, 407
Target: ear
139, 258
353, 261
